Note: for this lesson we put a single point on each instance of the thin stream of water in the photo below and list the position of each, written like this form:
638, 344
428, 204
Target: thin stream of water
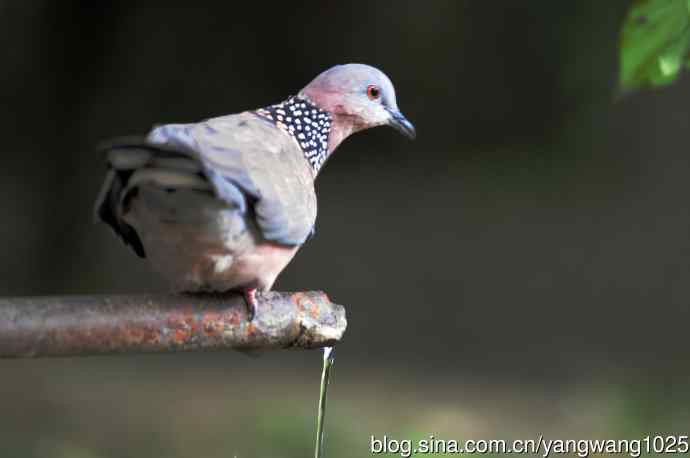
328, 359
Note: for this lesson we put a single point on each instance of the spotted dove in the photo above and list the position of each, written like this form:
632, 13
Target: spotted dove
224, 204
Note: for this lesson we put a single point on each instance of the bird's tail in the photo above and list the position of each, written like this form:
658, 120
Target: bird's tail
133, 162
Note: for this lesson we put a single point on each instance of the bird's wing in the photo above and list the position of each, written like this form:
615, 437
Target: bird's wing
242, 160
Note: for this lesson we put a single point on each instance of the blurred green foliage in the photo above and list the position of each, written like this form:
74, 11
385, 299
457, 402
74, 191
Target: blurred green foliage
655, 43
92, 416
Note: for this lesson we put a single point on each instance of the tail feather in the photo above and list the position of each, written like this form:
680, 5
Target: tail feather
132, 162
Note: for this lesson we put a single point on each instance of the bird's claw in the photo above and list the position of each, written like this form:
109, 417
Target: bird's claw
252, 303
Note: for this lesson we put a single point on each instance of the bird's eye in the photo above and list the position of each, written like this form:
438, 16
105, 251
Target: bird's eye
373, 92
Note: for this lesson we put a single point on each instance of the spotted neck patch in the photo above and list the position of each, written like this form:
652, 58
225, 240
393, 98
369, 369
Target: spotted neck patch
306, 123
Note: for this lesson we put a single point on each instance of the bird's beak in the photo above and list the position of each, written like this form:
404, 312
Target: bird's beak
400, 123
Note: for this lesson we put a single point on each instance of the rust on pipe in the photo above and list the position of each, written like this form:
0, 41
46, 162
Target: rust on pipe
157, 323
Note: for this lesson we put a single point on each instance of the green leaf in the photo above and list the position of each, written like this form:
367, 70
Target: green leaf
671, 61
655, 41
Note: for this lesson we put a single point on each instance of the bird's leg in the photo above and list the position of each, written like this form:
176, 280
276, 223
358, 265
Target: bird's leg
252, 303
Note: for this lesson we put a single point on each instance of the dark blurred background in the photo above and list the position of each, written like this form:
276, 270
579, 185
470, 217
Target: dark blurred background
521, 268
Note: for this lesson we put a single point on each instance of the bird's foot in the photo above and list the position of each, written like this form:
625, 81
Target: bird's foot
252, 303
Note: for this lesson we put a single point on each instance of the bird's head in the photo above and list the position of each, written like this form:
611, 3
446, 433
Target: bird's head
359, 97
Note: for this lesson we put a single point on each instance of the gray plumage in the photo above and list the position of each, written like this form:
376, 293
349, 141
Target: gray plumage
187, 189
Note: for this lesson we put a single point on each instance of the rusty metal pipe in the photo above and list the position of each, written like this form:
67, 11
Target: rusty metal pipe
158, 323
